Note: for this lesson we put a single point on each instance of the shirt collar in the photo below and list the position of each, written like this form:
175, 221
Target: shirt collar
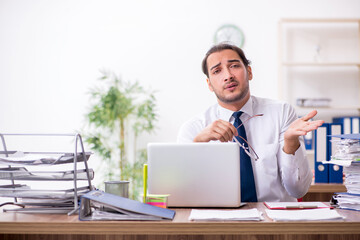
248, 107
226, 114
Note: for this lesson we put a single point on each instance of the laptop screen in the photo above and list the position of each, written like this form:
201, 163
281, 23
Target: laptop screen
195, 174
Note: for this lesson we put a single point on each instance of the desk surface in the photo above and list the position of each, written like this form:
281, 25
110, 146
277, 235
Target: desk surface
20, 223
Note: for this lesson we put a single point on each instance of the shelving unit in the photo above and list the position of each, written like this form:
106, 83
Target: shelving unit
320, 58
19, 170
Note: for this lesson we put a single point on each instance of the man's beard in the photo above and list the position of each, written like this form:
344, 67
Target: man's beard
235, 98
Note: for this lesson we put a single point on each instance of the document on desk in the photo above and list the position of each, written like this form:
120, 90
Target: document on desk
295, 205
304, 215
230, 215
347, 200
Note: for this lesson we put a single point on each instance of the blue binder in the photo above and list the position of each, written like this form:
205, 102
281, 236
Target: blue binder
351, 124
335, 171
94, 203
321, 154
355, 124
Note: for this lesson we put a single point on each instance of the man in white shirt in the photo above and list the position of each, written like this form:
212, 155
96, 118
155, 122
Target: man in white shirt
281, 172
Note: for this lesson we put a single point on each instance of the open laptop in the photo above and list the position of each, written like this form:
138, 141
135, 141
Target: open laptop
195, 174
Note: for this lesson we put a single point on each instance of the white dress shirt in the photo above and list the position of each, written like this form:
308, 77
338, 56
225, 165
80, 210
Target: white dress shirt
278, 176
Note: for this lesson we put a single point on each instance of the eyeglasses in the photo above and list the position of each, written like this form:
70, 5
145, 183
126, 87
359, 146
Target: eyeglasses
252, 153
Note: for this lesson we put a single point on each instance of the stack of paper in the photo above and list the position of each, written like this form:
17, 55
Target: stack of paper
347, 149
352, 178
304, 215
158, 200
348, 155
348, 201
231, 215
351, 198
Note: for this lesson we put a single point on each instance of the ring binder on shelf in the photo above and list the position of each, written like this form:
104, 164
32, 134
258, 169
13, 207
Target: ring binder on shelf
321, 154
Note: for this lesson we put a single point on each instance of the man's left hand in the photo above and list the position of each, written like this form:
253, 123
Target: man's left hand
299, 127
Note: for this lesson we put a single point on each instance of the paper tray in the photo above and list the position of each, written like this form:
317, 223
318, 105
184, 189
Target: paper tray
22, 173
43, 194
28, 158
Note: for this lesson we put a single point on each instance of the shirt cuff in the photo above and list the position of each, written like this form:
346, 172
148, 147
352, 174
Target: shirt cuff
292, 161
295, 172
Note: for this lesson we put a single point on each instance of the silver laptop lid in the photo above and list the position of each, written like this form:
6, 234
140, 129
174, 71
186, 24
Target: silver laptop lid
195, 174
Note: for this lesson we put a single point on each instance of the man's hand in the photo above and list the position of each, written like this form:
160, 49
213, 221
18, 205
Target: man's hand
299, 127
219, 130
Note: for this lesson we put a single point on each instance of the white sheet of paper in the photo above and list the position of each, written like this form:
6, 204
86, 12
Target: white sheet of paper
304, 215
20, 156
235, 215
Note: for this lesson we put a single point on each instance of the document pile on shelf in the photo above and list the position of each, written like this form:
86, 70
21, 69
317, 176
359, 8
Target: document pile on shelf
22, 172
348, 155
313, 102
19, 158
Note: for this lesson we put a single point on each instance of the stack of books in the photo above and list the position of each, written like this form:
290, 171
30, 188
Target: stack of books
348, 155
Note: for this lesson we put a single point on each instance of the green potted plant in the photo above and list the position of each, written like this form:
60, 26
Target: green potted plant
121, 111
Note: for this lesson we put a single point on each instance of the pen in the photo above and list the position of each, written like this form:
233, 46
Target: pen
145, 181
301, 207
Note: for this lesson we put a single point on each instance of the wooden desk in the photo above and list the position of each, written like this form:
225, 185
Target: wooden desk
41, 226
323, 191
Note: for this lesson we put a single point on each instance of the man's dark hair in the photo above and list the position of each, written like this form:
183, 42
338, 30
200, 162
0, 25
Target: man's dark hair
219, 47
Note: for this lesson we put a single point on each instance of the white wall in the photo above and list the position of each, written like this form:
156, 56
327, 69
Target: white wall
51, 53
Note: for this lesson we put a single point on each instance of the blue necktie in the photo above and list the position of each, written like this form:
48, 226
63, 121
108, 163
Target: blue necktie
248, 190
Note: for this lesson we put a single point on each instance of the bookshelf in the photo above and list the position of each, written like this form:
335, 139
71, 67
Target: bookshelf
320, 59
319, 62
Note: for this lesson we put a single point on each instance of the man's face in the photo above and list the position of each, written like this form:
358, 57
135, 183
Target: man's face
228, 76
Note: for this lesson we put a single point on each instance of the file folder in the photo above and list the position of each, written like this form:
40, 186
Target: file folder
335, 171
321, 154
98, 205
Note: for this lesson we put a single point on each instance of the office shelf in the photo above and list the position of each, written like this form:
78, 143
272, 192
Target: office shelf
17, 175
321, 64
320, 58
